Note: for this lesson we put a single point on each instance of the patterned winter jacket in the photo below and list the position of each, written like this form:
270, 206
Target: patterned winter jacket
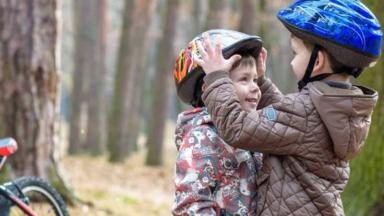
307, 139
212, 178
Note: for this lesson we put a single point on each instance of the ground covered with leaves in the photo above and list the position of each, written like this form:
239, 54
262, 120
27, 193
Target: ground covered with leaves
123, 189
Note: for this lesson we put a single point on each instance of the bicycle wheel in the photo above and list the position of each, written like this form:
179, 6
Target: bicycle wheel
41, 197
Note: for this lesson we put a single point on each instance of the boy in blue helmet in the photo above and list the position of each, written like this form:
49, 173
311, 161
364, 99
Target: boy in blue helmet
307, 137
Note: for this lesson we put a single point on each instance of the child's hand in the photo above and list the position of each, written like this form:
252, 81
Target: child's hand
261, 62
213, 59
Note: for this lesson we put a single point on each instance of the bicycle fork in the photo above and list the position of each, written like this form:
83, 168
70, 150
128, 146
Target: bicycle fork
8, 194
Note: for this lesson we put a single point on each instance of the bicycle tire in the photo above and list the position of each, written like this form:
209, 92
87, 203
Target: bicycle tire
41, 197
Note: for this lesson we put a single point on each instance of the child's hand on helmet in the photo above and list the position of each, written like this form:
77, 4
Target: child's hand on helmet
212, 59
261, 62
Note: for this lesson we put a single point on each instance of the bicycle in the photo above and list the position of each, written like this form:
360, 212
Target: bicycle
30, 195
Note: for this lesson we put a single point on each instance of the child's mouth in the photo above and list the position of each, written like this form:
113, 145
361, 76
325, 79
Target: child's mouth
251, 100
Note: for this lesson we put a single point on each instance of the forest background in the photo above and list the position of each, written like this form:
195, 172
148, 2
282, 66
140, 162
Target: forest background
87, 92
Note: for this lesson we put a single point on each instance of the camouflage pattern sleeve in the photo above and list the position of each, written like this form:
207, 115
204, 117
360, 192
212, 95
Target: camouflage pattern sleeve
197, 175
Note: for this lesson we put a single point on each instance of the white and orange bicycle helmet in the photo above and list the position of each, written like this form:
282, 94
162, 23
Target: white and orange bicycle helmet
188, 76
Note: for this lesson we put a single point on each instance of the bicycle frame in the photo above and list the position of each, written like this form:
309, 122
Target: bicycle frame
8, 194
7, 147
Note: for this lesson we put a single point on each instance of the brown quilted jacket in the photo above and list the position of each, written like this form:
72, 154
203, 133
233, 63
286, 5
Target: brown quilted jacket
307, 138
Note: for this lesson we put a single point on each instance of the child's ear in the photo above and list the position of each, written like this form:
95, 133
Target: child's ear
203, 87
320, 61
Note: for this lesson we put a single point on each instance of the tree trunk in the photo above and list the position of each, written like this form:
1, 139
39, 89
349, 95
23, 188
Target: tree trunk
142, 45
83, 47
29, 83
218, 15
96, 76
248, 20
118, 123
199, 7
277, 40
162, 83
194, 14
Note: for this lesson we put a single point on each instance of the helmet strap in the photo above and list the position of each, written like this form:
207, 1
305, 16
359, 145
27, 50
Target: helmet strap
356, 72
198, 92
308, 72
320, 77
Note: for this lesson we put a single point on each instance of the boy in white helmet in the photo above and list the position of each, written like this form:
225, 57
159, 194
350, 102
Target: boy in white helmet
213, 178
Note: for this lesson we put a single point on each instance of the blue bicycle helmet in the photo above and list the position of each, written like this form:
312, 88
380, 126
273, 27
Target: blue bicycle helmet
347, 29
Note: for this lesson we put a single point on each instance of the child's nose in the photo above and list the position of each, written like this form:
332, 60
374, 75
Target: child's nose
254, 87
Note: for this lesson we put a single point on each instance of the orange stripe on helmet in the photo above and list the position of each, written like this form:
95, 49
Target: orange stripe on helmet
177, 69
183, 65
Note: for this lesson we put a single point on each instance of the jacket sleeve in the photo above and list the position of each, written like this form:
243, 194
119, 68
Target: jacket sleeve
269, 92
196, 178
275, 129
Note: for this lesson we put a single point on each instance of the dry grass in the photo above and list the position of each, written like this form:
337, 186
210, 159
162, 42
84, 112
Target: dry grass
122, 189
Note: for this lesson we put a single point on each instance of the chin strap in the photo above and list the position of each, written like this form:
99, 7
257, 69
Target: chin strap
307, 76
308, 72
198, 92
356, 72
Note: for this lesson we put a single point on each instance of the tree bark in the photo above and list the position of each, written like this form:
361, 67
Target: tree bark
248, 20
198, 16
118, 123
29, 83
218, 15
96, 76
82, 64
162, 83
141, 49
277, 40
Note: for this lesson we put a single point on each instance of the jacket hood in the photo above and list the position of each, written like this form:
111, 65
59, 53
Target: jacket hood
346, 114
188, 120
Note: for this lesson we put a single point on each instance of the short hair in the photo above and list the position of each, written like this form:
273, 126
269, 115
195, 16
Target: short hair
340, 68
336, 66
245, 61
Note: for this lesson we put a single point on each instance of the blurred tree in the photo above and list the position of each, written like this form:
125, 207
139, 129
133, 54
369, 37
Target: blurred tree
29, 84
194, 15
142, 50
248, 19
131, 64
96, 75
161, 85
78, 91
118, 123
87, 77
198, 18
364, 194
277, 41
218, 14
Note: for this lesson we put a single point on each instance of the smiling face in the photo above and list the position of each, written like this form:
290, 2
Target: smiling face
301, 57
244, 78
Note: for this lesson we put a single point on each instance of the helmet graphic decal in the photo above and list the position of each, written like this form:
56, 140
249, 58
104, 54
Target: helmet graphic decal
184, 63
